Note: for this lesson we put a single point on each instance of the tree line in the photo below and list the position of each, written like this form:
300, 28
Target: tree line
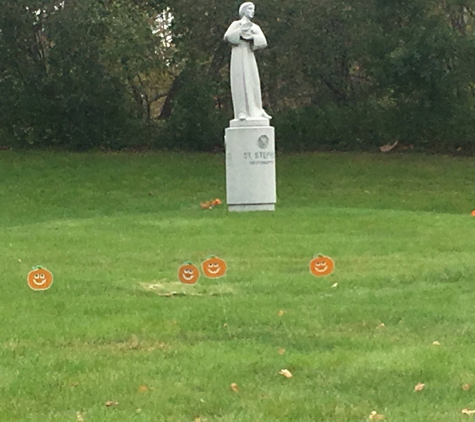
351, 74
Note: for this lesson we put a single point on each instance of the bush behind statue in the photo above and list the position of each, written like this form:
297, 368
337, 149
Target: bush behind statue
370, 124
196, 122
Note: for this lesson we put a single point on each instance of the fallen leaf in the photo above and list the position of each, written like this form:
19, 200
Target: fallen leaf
375, 416
334, 285
435, 343
143, 388
286, 373
382, 325
280, 313
468, 412
111, 403
466, 387
74, 384
80, 417
234, 387
419, 386
281, 351
388, 147
207, 205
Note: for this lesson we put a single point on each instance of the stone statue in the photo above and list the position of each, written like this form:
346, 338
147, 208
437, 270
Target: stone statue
246, 37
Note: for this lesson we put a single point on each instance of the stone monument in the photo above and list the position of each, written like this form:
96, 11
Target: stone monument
249, 141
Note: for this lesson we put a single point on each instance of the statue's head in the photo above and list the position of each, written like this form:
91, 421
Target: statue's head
247, 9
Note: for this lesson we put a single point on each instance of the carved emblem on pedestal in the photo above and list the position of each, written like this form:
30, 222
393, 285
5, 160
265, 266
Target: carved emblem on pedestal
263, 141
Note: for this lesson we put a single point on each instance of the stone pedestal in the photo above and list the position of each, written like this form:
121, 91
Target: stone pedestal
250, 166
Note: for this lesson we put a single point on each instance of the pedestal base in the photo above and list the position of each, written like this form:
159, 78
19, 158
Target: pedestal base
250, 168
254, 207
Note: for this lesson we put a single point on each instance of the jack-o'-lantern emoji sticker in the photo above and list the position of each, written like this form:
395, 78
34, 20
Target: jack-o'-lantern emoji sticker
40, 278
214, 267
188, 273
321, 265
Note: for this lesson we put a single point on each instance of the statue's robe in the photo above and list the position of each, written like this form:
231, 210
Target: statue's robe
245, 82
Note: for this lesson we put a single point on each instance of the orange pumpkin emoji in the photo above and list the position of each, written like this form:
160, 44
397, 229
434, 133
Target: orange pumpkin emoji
321, 265
214, 267
40, 278
188, 273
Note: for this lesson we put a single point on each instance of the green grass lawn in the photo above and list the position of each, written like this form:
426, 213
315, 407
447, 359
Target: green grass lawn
110, 225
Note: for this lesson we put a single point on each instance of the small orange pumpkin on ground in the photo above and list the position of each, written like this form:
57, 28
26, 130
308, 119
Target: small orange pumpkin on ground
40, 278
214, 267
321, 265
188, 273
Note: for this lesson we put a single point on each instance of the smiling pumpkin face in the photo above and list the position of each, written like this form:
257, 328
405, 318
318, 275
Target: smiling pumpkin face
321, 265
214, 267
40, 279
188, 273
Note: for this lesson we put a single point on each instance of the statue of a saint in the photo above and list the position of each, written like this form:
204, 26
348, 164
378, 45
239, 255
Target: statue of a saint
246, 37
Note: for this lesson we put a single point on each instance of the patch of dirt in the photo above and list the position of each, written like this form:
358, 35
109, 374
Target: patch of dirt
175, 288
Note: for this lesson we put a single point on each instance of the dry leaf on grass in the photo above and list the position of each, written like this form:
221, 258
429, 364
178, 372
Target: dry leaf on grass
74, 384
206, 205
234, 387
435, 343
382, 325
111, 403
280, 313
143, 388
388, 147
286, 373
375, 416
468, 412
466, 387
80, 417
419, 387
281, 351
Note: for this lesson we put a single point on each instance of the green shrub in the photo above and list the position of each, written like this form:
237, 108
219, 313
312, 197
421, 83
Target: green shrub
196, 122
333, 126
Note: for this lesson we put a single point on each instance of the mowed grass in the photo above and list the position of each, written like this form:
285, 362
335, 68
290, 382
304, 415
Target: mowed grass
398, 227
